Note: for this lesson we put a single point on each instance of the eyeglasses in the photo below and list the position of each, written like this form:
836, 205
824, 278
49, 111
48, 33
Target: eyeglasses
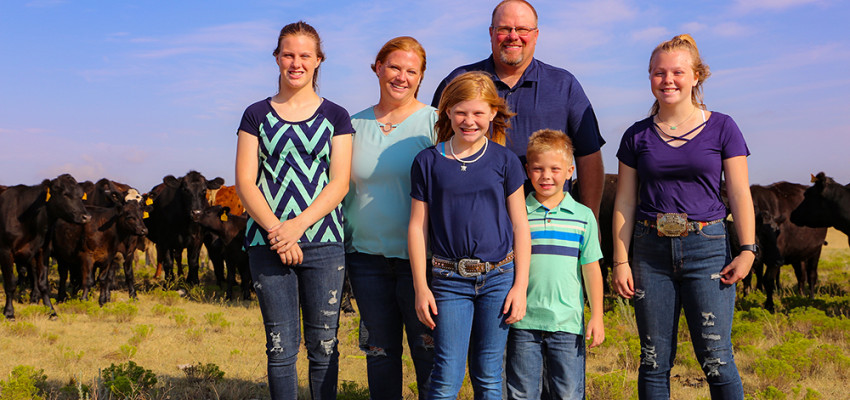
520, 30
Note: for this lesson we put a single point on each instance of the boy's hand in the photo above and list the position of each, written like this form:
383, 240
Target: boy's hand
425, 305
515, 303
595, 330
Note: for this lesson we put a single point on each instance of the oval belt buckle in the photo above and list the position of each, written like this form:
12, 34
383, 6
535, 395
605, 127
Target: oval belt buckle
461, 267
672, 224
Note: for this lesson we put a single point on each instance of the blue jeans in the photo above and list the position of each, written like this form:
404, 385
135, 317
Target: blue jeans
564, 358
469, 321
383, 289
678, 273
314, 286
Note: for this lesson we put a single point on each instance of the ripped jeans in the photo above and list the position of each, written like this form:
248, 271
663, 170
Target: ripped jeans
672, 274
383, 289
314, 286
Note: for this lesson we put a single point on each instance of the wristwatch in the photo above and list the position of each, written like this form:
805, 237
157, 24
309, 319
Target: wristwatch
750, 247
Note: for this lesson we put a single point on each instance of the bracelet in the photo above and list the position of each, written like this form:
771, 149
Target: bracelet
616, 263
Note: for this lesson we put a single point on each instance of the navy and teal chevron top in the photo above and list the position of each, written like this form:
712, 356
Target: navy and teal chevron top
293, 167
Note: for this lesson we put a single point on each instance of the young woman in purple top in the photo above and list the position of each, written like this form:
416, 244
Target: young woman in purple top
468, 204
668, 207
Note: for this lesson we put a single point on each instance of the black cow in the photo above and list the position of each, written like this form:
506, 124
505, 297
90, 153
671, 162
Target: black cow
85, 249
783, 242
173, 222
27, 215
224, 245
825, 204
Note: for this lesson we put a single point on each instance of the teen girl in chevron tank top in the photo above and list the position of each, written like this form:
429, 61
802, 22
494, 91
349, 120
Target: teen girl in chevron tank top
292, 169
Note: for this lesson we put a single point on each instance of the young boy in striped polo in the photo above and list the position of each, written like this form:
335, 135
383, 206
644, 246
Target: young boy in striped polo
564, 254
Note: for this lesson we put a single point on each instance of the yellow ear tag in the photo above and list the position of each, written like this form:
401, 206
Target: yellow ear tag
85, 196
145, 215
48, 196
224, 217
149, 201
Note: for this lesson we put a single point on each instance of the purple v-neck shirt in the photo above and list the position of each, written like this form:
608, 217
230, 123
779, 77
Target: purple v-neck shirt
684, 179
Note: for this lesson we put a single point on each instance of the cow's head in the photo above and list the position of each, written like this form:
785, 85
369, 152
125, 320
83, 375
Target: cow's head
815, 211
64, 199
131, 218
192, 190
213, 218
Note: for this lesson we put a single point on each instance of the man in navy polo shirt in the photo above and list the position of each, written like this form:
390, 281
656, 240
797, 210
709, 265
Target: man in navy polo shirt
543, 96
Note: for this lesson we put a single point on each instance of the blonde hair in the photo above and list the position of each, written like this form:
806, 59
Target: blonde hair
402, 43
550, 140
474, 85
684, 42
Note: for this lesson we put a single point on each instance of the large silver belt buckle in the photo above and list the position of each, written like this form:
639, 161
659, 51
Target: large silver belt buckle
672, 224
461, 267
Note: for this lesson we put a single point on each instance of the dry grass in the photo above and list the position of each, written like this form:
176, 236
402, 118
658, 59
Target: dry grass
165, 330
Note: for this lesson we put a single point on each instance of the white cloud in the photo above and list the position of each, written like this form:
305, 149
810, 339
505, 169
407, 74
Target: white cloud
732, 29
652, 34
771, 5
693, 27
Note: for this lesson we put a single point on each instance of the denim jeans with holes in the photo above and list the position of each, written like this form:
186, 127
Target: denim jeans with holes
563, 355
672, 274
383, 289
314, 288
470, 321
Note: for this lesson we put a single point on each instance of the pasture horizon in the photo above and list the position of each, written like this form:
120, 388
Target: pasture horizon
136, 92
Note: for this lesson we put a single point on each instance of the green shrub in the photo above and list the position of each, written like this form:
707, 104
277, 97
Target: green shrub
613, 385
812, 394
352, 391
775, 371
76, 390
128, 380
746, 333
165, 297
794, 350
216, 321
33, 311
122, 312
160, 310
771, 393
195, 334
140, 333
203, 373
128, 350
22, 328
24, 383
77, 306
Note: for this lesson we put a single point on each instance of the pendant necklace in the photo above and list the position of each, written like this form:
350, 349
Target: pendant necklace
386, 128
674, 127
462, 162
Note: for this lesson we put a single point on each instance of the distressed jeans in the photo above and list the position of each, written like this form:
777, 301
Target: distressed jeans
383, 289
314, 288
672, 274
469, 321
563, 354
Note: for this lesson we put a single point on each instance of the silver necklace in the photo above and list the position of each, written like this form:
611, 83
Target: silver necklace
676, 126
386, 128
463, 162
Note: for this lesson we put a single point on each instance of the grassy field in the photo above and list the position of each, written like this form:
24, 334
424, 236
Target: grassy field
800, 352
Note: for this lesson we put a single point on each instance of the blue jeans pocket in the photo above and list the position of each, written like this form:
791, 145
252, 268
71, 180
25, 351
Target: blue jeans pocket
714, 231
641, 230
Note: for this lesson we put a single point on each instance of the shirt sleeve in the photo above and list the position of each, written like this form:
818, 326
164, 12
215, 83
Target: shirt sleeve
590, 250
418, 184
514, 174
251, 120
732, 140
340, 119
583, 126
626, 154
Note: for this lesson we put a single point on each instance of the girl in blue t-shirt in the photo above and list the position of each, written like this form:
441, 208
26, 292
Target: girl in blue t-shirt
293, 161
469, 204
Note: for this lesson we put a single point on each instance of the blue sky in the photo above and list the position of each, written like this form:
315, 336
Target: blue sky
136, 90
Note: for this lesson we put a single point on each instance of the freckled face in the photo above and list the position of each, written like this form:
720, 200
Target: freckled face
672, 77
471, 119
297, 60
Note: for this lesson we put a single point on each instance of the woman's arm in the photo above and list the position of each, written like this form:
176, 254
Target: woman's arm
290, 231
741, 202
623, 222
516, 298
417, 231
247, 163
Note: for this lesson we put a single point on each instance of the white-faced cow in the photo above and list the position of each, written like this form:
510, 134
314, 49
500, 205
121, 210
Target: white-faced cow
825, 204
27, 214
173, 222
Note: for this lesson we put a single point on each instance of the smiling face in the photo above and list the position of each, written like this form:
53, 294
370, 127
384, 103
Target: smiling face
298, 61
399, 75
672, 77
471, 120
548, 171
512, 49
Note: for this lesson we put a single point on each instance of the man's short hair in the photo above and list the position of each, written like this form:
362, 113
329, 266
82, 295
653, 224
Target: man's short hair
503, 2
549, 140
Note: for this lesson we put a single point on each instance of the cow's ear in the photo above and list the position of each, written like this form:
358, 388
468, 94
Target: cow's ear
225, 210
215, 183
814, 179
171, 181
116, 197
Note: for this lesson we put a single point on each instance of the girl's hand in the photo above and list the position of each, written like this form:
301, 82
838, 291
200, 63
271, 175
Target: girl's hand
624, 285
738, 268
293, 256
596, 331
515, 303
425, 306
285, 234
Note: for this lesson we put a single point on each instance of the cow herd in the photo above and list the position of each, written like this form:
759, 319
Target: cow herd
84, 226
